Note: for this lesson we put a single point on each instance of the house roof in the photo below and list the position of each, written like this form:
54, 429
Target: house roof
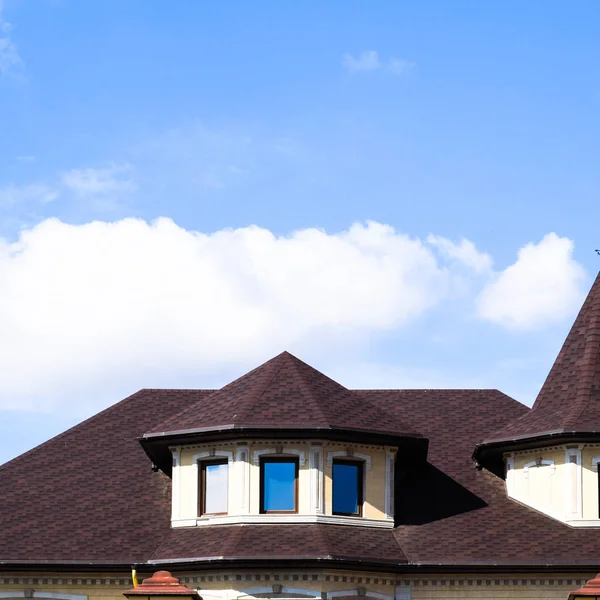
569, 401
284, 392
89, 496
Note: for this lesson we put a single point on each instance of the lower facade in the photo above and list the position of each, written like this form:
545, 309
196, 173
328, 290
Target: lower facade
321, 585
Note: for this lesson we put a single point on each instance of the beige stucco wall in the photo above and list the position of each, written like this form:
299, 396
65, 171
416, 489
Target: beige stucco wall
232, 585
566, 490
314, 479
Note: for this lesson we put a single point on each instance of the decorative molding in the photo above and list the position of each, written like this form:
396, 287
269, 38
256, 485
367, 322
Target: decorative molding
573, 491
242, 461
212, 453
284, 518
301, 454
277, 591
59, 595
540, 462
390, 457
315, 461
360, 592
175, 482
346, 454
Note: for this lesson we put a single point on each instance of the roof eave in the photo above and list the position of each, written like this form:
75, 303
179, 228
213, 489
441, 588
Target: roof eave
156, 445
489, 452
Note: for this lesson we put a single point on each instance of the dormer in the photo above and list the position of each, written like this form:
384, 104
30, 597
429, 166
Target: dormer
282, 444
549, 456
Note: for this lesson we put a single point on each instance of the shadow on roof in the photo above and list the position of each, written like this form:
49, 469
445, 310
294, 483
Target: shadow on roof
429, 495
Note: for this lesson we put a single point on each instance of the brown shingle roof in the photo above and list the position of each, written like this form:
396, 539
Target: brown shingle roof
285, 392
569, 401
89, 495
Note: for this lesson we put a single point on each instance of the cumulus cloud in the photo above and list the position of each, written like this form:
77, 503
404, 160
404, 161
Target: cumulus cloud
98, 182
465, 252
369, 61
89, 310
543, 286
85, 305
11, 195
10, 61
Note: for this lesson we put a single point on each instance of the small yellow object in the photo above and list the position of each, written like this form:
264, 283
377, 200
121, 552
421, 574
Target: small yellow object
134, 578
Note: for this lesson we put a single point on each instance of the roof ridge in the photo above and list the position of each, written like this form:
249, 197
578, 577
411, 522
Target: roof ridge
278, 360
307, 387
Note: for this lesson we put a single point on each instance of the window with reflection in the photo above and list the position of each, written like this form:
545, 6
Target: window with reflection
347, 488
279, 485
213, 487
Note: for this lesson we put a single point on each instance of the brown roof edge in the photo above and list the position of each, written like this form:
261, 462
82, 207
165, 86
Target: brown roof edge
381, 565
489, 453
266, 427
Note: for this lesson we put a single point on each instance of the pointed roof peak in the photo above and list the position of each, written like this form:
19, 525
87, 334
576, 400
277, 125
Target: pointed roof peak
284, 392
569, 401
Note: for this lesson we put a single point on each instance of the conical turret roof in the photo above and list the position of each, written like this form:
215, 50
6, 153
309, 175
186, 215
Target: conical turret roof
569, 401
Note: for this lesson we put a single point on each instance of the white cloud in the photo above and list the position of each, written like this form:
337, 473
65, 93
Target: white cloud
11, 195
369, 61
399, 66
543, 286
366, 61
90, 310
465, 252
99, 182
10, 61
86, 306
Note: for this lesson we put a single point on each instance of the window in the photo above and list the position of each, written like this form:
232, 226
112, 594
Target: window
213, 487
279, 485
347, 488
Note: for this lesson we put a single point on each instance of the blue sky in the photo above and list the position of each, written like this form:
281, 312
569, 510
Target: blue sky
404, 194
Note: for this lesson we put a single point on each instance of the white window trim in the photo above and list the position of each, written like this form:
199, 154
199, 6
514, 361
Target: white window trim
284, 518
595, 462
209, 454
301, 454
366, 458
242, 460
574, 512
315, 462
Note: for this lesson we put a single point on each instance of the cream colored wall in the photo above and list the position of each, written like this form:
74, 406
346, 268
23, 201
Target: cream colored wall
567, 492
542, 488
589, 480
185, 477
231, 585
375, 488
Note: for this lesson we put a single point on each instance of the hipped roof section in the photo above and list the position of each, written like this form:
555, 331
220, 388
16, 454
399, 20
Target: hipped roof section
285, 394
568, 405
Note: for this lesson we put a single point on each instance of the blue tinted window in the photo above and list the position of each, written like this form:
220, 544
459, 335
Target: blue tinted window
279, 485
347, 482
